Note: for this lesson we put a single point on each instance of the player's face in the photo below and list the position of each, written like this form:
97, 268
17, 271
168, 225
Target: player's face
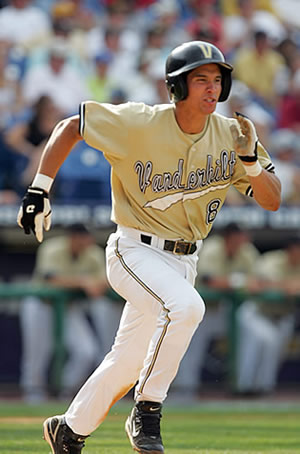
204, 88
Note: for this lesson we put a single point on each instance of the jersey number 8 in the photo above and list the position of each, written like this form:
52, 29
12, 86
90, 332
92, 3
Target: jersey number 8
212, 210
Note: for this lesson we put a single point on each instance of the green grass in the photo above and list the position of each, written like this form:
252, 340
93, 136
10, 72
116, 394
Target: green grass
235, 428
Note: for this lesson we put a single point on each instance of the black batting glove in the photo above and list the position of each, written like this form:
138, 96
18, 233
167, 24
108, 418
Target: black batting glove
35, 212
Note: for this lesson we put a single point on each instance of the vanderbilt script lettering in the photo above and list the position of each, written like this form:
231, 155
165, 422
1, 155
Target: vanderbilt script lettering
199, 178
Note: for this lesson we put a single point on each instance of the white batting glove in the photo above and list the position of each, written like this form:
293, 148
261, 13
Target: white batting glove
245, 144
35, 212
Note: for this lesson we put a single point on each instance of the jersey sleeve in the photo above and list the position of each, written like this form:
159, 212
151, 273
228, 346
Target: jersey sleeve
103, 126
240, 179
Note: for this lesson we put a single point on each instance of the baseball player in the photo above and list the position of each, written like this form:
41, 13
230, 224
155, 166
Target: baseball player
172, 166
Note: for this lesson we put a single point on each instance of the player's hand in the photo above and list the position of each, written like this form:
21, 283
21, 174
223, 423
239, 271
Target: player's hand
245, 143
35, 212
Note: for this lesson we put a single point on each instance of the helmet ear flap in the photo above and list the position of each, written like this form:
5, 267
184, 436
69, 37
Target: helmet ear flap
177, 87
226, 84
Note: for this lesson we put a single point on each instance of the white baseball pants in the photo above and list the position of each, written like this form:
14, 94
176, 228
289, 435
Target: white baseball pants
161, 314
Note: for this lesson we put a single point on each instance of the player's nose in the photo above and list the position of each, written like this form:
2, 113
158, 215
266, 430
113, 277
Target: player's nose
212, 86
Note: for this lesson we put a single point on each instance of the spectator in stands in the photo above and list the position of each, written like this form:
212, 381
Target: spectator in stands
226, 262
238, 26
72, 21
72, 261
265, 328
124, 45
27, 136
285, 148
124, 61
77, 12
8, 169
99, 84
240, 23
258, 68
289, 106
11, 99
129, 20
12, 165
205, 22
289, 12
57, 79
155, 44
22, 23
288, 48
230, 7
141, 87
166, 14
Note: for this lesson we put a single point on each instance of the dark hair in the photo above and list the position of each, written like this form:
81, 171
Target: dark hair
260, 35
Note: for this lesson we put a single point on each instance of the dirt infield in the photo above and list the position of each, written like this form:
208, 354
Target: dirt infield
21, 420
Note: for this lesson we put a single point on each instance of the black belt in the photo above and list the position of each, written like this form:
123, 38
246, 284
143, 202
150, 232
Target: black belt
177, 247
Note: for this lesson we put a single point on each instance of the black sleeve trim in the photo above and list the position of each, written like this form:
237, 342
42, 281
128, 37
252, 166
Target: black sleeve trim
81, 118
270, 167
249, 191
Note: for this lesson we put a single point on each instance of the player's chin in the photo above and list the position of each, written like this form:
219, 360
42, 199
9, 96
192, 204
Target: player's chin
209, 107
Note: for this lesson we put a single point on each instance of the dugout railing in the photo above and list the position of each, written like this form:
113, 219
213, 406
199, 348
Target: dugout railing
60, 297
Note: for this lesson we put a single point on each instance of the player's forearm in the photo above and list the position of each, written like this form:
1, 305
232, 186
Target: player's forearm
63, 138
266, 190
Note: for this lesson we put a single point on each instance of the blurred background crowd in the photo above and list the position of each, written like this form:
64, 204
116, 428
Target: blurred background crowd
55, 54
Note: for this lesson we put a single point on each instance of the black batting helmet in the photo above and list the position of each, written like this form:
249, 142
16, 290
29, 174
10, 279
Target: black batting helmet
189, 56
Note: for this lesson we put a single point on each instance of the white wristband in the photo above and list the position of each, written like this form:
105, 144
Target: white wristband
254, 170
42, 181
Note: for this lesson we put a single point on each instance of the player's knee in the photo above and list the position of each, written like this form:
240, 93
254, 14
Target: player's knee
197, 310
193, 311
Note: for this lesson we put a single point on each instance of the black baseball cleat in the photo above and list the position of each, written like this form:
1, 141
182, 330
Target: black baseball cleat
61, 438
143, 428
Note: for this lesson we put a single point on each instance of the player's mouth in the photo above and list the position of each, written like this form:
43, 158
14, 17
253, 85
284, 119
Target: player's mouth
210, 100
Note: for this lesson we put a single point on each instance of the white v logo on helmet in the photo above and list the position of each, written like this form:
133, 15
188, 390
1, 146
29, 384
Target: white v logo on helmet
207, 50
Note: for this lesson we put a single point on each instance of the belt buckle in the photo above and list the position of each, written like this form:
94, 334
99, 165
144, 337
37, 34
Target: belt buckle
177, 247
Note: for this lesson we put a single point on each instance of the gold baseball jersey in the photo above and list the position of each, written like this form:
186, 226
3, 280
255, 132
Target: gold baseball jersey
164, 181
